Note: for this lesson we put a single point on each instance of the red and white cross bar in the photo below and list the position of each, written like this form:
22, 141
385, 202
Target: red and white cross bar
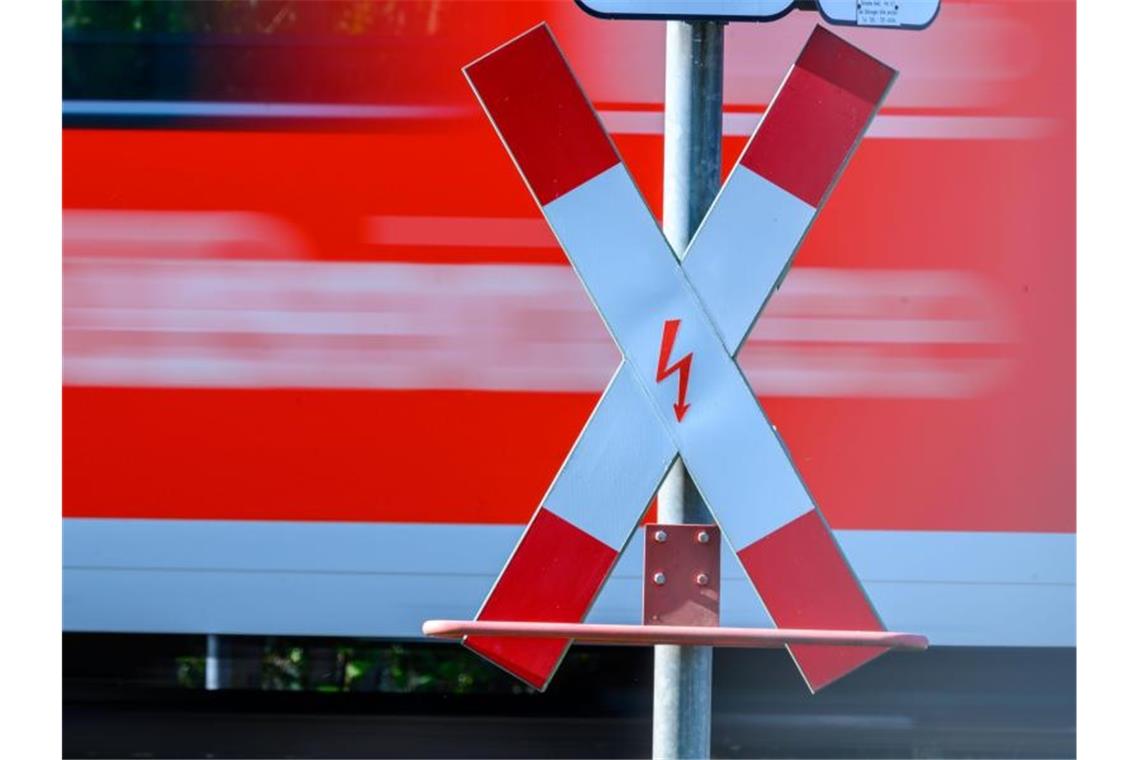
678, 389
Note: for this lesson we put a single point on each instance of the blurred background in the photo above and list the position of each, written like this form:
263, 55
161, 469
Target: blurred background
322, 358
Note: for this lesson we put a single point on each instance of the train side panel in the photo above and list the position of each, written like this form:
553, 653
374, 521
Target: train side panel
321, 360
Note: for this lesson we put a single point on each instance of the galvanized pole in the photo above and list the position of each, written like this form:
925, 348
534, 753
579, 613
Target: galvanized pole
694, 96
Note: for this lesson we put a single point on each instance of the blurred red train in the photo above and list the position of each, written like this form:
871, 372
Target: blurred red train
322, 357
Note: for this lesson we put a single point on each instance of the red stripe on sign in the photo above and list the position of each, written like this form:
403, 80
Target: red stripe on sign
829, 56
813, 125
552, 577
805, 582
541, 113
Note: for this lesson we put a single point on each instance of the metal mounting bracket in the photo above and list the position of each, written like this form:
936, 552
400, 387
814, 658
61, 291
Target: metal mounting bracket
682, 575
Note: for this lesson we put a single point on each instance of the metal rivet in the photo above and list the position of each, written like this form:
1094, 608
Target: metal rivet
660, 536
659, 579
702, 579
703, 536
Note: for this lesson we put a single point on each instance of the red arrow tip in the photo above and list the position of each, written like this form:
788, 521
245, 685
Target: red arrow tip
680, 409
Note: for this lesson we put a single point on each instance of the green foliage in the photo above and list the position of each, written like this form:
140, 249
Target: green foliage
191, 671
284, 667
281, 664
403, 669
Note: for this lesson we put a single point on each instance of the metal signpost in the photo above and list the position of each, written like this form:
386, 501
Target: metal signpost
678, 413
694, 96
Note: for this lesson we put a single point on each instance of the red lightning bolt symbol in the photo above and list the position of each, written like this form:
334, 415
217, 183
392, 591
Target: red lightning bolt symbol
682, 365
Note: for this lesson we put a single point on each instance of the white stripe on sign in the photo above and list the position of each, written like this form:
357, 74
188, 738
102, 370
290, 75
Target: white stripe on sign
619, 457
773, 221
629, 270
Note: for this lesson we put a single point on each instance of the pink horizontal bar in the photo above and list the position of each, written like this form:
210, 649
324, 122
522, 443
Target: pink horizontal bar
765, 638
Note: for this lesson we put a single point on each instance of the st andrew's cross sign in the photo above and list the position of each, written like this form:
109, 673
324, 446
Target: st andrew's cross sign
679, 324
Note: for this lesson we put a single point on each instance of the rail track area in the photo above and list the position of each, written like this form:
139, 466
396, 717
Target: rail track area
144, 696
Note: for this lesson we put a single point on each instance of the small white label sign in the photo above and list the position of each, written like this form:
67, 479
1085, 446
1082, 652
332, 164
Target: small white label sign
897, 14
877, 13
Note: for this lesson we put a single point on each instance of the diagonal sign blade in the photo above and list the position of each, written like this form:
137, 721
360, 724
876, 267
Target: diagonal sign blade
754, 227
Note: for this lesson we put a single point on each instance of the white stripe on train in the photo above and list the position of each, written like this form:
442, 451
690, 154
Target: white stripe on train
884, 127
240, 323
223, 576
